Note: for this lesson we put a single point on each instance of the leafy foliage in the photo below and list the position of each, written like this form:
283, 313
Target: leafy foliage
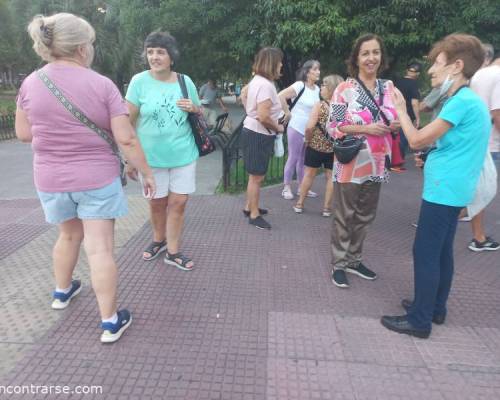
218, 38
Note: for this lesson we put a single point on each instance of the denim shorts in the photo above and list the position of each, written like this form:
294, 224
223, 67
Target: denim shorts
496, 158
107, 202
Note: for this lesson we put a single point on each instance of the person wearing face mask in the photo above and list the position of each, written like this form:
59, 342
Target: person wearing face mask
461, 132
304, 94
76, 173
160, 113
361, 106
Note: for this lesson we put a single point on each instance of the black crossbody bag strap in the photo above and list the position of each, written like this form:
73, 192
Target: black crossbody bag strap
297, 98
368, 93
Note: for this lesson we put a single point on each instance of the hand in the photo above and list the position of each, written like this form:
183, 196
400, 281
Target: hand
418, 161
416, 124
281, 128
286, 118
399, 101
395, 125
131, 172
186, 105
149, 186
376, 129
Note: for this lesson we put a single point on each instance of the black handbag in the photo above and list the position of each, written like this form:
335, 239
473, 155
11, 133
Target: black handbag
199, 126
347, 148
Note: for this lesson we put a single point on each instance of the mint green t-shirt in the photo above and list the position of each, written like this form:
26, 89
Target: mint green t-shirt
162, 127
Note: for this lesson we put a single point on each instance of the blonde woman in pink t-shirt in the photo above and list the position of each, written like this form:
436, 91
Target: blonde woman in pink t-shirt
76, 172
260, 126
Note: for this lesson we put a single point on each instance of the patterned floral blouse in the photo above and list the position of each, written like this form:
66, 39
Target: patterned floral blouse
352, 106
319, 141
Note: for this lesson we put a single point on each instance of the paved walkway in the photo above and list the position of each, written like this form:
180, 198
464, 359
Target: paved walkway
257, 319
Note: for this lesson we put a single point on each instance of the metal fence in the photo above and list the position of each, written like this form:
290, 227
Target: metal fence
234, 176
7, 127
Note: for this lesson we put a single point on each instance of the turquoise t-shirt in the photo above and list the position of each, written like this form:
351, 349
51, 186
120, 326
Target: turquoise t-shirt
162, 127
452, 170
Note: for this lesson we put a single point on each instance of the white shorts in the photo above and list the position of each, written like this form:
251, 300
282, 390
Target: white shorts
180, 180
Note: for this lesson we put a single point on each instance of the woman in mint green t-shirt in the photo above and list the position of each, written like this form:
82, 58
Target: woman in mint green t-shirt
461, 132
160, 114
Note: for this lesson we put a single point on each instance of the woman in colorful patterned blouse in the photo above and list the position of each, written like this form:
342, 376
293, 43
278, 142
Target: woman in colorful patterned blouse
361, 106
319, 150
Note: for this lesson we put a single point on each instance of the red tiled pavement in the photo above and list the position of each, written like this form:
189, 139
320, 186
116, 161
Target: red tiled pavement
260, 319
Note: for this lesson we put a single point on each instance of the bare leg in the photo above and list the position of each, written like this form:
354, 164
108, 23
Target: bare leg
307, 181
329, 190
99, 245
158, 215
66, 250
253, 194
175, 221
478, 227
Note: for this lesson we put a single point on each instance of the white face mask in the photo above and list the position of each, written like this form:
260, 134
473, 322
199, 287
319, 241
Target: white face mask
446, 85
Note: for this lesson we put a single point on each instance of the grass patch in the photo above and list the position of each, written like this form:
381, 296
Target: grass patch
7, 105
238, 178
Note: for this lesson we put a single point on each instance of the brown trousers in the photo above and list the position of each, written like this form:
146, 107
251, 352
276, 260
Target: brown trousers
354, 209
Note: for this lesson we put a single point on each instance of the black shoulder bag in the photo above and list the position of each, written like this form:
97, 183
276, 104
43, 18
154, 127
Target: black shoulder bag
199, 127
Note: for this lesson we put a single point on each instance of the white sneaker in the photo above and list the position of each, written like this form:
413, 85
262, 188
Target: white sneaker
287, 194
310, 193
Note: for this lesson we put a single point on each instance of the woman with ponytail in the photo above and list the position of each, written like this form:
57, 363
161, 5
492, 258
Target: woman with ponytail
75, 118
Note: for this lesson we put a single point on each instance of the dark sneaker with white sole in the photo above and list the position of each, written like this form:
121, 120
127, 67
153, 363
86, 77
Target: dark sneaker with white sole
62, 300
362, 271
113, 332
488, 245
259, 222
339, 278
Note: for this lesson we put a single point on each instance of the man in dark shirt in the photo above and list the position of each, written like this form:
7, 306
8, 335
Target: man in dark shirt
409, 88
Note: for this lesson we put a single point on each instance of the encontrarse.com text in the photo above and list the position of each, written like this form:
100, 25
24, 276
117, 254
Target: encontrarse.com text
46, 389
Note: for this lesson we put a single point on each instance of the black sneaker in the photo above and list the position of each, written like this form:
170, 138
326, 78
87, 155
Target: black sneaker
362, 271
259, 222
262, 211
339, 278
488, 245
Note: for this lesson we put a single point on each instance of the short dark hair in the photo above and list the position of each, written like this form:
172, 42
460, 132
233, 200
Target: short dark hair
165, 41
304, 70
352, 62
266, 62
460, 46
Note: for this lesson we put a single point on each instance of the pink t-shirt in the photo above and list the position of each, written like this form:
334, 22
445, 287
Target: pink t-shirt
261, 89
68, 156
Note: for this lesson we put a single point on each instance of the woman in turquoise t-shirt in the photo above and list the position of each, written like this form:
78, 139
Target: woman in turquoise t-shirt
160, 114
461, 132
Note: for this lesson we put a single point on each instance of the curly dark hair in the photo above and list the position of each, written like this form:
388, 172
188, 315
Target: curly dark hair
352, 62
165, 41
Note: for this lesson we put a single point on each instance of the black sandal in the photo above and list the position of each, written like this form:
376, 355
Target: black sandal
179, 260
155, 248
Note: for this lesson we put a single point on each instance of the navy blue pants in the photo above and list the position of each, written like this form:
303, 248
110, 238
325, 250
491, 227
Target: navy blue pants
433, 262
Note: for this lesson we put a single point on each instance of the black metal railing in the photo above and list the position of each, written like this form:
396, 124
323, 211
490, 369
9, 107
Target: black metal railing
234, 176
7, 127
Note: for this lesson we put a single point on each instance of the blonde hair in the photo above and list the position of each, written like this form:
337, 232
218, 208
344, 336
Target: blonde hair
331, 82
59, 35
